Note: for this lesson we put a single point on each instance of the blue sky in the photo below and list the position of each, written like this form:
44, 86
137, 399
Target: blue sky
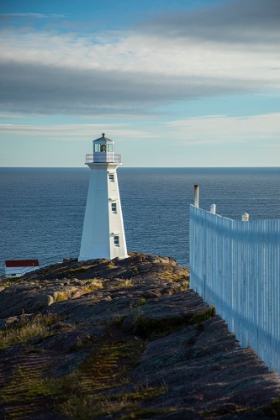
174, 83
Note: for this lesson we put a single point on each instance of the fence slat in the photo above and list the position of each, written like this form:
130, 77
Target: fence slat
235, 266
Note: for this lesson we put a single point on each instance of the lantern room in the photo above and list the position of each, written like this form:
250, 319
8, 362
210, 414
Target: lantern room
103, 152
103, 149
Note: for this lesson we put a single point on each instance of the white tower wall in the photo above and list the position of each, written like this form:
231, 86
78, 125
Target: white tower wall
103, 232
116, 226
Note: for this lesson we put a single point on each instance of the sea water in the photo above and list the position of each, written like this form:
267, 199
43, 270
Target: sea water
42, 209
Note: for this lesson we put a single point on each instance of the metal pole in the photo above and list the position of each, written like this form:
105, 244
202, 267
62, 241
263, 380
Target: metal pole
196, 196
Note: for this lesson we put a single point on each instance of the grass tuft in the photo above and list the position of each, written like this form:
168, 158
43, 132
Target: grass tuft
141, 301
147, 413
125, 283
273, 410
151, 328
92, 285
26, 331
80, 394
95, 406
147, 327
26, 391
172, 276
60, 297
203, 316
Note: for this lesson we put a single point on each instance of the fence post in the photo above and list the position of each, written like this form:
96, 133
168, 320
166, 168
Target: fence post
245, 217
196, 196
213, 208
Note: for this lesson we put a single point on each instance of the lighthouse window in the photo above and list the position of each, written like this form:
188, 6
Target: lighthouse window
103, 148
114, 207
110, 147
116, 241
97, 147
111, 177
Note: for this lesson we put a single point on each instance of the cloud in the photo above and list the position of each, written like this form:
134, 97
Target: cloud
7, 115
75, 132
242, 21
57, 90
132, 72
259, 130
29, 15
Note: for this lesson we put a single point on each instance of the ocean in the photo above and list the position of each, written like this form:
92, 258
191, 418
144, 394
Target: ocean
42, 209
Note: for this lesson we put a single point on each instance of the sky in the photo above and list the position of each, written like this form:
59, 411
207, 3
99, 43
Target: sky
176, 83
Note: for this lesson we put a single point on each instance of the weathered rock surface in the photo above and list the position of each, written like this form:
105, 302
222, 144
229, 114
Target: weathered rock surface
123, 339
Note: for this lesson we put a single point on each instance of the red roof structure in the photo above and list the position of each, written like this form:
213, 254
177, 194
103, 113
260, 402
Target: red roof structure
22, 263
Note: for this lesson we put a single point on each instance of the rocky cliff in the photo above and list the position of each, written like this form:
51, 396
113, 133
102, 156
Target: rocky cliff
123, 339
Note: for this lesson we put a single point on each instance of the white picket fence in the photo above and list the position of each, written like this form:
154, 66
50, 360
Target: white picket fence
235, 266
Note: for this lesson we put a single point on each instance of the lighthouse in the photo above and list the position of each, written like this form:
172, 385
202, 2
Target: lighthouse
103, 231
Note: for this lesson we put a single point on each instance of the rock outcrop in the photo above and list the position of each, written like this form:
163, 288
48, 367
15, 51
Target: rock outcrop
123, 339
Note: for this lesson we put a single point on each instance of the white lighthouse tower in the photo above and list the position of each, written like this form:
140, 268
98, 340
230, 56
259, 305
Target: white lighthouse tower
103, 231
